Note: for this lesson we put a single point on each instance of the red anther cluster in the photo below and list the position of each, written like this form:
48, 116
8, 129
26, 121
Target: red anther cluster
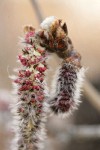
24, 88
41, 69
23, 60
24, 73
36, 87
37, 75
40, 98
20, 74
28, 82
27, 73
17, 81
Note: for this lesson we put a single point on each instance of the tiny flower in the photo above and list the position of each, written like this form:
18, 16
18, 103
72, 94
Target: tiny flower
24, 88
41, 69
17, 81
36, 87
27, 73
23, 60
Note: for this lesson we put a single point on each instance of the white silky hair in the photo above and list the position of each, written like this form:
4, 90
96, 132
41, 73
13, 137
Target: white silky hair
54, 64
79, 84
47, 22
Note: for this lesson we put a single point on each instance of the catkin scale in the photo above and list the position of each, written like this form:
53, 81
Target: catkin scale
30, 112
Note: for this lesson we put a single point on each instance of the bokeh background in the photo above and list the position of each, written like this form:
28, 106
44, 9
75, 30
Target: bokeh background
82, 130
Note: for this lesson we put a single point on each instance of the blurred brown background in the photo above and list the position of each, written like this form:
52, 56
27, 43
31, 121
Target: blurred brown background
83, 21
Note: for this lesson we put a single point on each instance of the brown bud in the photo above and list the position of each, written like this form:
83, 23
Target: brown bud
28, 29
64, 27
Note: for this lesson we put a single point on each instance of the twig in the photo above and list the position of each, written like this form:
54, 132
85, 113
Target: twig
92, 95
37, 10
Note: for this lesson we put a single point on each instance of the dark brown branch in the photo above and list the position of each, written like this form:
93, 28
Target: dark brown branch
37, 10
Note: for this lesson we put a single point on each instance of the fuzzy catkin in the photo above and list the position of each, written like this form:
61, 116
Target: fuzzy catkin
66, 89
30, 109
